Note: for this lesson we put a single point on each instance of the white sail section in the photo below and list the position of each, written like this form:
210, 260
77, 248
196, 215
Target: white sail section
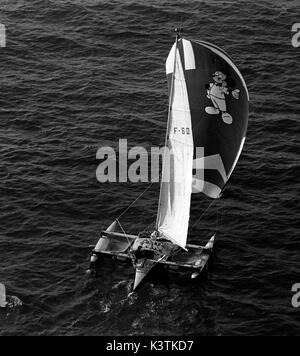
213, 162
175, 195
189, 58
170, 60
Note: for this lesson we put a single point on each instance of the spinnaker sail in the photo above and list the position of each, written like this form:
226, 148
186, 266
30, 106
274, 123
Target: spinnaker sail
207, 123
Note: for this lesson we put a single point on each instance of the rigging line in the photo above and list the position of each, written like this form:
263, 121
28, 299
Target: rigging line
211, 204
160, 259
148, 226
217, 217
124, 234
134, 201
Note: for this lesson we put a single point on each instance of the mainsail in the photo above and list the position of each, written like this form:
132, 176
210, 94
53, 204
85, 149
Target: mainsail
207, 122
176, 187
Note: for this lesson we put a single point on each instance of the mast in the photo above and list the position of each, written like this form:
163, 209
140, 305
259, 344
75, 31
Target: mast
178, 36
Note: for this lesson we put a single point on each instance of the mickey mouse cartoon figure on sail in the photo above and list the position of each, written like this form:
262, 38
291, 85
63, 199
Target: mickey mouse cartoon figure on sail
216, 93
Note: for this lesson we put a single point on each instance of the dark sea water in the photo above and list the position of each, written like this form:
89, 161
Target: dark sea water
77, 75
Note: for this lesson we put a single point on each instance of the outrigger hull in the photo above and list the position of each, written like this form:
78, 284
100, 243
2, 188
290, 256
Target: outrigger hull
119, 246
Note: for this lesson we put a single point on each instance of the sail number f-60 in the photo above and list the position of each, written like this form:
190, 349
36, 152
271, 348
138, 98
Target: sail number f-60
182, 130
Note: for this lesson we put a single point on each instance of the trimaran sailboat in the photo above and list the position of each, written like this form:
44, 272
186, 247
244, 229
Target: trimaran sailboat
206, 131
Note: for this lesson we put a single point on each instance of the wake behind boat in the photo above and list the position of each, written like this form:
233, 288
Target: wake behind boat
206, 131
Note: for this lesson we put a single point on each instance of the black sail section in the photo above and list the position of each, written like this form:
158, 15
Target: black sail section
219, 105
